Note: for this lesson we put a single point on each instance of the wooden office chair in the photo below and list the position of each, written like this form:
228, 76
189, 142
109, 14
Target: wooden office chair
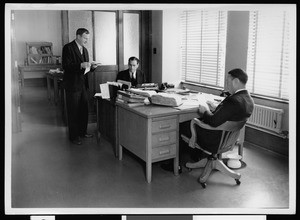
230, 133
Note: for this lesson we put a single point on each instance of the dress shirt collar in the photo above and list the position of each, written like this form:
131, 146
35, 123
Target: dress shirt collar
79, 47
240, 90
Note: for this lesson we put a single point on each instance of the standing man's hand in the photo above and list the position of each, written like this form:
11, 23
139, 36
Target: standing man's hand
85, 65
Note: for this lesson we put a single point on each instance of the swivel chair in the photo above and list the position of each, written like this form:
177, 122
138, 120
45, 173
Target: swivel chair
230, 133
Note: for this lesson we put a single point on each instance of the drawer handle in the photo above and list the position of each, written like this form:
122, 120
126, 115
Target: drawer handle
166, 138
164, 152
164, 126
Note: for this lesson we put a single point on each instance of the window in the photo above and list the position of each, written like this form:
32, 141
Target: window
203, 47
268, 61
131, 35
105, 37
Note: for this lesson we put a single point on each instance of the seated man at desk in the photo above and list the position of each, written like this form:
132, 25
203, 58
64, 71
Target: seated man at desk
236, 107
132, 74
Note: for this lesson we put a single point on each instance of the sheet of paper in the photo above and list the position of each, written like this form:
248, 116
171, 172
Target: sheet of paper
98, 94
104, 88
87, 70
96, 62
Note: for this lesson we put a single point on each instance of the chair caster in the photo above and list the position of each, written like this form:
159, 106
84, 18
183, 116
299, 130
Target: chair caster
203, 185
238, 182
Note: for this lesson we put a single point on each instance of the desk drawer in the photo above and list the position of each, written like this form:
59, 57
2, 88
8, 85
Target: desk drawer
164, 125
164, 151
161, 139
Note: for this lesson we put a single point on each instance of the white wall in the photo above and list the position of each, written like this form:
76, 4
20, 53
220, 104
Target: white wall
171, 47
35, 26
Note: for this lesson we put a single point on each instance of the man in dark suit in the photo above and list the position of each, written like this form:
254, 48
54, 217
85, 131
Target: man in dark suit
132, 74
236, 107
75, 62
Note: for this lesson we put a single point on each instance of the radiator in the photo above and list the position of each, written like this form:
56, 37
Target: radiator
266, 118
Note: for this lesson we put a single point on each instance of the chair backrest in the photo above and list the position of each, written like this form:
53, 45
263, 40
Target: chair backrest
230, 134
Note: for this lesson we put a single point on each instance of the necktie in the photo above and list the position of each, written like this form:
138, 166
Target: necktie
81, 50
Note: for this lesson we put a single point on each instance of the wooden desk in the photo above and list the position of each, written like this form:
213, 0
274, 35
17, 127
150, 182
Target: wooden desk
106, 120
35, 68
151, 133
56, 77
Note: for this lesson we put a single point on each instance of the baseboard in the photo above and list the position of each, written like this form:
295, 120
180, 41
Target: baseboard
268, 141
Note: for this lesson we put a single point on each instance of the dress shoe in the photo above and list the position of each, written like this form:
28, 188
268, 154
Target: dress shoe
76, 141
170, 167
87, 136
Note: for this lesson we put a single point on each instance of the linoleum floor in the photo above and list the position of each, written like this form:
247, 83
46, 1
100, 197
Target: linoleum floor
47, 171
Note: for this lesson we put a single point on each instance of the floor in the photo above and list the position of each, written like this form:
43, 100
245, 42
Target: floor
50, 172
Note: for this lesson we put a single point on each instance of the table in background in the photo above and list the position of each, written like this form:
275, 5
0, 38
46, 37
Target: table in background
57, 78
35, 68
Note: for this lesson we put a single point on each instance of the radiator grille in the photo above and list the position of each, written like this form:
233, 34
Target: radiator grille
267, 118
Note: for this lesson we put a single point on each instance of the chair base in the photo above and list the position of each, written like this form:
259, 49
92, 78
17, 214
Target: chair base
210, 164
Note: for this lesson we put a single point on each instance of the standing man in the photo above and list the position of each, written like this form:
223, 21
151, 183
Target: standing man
132, 74
75, 62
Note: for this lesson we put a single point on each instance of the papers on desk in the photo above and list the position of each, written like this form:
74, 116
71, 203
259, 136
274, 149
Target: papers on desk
104, 88
166, 99
109, 89
98, 94
55, 71
147, 93
194, 100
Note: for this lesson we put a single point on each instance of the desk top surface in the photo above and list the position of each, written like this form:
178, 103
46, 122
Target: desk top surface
190, 105
150, 111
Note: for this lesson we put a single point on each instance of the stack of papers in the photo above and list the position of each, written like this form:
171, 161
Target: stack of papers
147, 93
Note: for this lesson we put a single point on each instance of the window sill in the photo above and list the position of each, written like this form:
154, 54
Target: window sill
221, 89
203, 86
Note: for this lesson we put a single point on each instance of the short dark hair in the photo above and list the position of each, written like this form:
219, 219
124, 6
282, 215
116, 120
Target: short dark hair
240, 74
81, 31
132, 59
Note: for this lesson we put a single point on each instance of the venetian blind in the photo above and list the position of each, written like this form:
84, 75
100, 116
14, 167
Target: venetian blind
268, 54
203, 45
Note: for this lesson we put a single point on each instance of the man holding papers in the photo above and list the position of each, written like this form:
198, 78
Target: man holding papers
76, 65
236, 107
132, 74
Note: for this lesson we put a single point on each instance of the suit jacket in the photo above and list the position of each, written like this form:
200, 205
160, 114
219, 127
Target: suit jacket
236, 107
74, 78
125, 75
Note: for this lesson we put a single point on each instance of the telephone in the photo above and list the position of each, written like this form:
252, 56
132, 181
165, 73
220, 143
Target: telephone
166, 85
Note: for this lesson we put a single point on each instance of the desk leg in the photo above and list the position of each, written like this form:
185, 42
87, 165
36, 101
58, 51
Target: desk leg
98, 125
120, 152
48, 88
55, 90
176, 164
149, 171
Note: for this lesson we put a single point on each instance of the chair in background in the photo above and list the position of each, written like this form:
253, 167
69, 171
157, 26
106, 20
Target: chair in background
230, 134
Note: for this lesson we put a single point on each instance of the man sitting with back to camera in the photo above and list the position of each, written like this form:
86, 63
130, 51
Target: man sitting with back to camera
132, 74
235, 107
